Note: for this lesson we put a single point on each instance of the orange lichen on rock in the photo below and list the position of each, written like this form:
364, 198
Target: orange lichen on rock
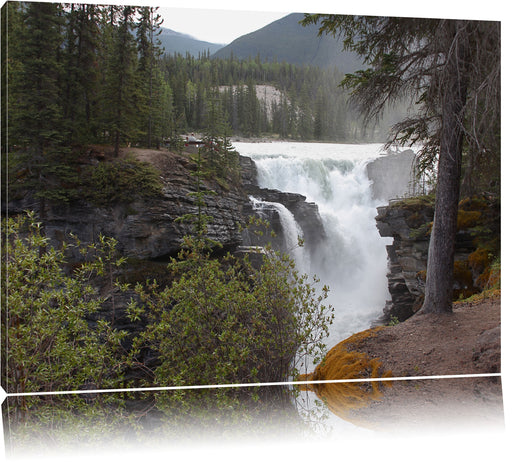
468, 218
342, 363
354, 339
463, 280
479, 260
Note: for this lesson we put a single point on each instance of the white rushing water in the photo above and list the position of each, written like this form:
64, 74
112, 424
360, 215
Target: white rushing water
352, 261
291, 230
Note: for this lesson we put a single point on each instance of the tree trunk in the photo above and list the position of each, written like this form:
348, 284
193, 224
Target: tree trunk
439, 283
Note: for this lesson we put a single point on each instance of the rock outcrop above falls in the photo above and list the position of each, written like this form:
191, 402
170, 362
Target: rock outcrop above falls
392, 175
409, 222
147, 229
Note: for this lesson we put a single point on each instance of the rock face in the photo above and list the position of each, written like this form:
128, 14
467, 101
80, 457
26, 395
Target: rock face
392, 175
148, 229
407, 256
147, 232
408, 222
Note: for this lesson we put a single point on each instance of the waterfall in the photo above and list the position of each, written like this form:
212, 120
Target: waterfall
352, 260
292, 232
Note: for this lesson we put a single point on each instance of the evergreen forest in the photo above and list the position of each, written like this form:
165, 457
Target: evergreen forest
81, 73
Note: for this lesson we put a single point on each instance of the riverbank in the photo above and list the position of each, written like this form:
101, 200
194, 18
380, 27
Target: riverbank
465, 342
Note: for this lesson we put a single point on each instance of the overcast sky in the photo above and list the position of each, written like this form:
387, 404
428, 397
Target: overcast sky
221, 21
216, 26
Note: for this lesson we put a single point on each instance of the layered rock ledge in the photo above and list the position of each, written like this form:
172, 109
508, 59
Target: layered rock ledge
409, 222
148, 228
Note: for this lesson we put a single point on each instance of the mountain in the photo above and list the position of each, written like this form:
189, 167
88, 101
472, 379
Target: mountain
176, 42
286, 40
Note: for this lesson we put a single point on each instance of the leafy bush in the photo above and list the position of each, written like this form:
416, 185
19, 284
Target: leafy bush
50, 345
219, 320
222, 321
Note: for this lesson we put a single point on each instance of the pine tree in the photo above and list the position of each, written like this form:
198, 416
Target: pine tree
81, 73
36, 122
35, 110
148, 29
120, 86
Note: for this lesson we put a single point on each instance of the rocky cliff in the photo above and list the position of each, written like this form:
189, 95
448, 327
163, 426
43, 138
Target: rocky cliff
147, 229
407, 255
409, 221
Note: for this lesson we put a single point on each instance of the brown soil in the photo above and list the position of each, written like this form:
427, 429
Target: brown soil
159, 158
464, 342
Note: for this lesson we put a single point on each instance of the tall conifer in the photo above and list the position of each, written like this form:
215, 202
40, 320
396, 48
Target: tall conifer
120, 78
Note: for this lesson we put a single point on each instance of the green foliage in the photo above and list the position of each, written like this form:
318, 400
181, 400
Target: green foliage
222, 162
393, 321
119, 180
200, 219
413, 203
421, 232
51, 344
35, 113
217, 321
176, 143
102, 184
222, 321
66, 423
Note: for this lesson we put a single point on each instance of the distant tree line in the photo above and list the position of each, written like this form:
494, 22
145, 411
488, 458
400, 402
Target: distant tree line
85, 73
312, 106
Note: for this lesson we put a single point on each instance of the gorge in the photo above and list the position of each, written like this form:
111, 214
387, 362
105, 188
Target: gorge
340, 200
324, 189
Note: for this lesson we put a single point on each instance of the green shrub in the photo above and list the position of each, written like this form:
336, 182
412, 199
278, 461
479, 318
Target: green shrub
50, 344
120, 180
222, 321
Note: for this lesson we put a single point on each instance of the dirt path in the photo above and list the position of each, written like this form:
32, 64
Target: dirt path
464, 342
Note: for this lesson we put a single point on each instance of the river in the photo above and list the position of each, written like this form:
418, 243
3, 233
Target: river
352, 260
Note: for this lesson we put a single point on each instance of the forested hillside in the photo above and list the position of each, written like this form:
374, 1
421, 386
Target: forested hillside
287, 40
99, 76
313, 107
